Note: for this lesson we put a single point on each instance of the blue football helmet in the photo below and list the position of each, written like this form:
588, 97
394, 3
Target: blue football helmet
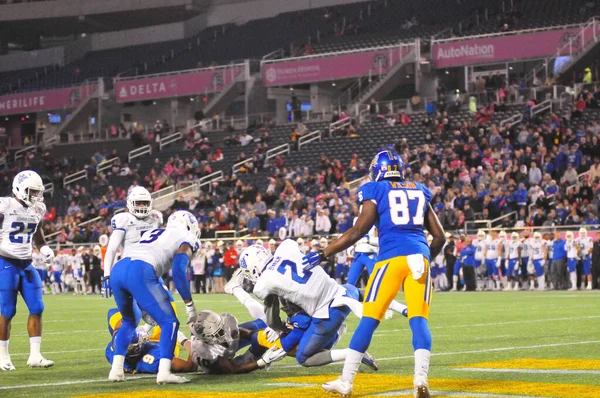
386, 165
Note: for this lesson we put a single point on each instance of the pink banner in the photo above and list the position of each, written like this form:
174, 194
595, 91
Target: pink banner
39, 101
332, 67
192, 83
509, 48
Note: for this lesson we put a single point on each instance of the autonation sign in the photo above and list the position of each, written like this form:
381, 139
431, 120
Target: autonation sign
507, 48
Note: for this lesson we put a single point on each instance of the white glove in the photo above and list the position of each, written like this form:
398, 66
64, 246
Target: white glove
498, 263
191, 312
47, 253
273, 354
364, 240
272, 335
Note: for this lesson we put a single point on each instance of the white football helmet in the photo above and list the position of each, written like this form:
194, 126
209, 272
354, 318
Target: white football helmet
323, 241
537, 236
300, 241
239, 245
139, 202
103, 240
481, 234
514, 236
28, 187
253, 260
502, 235
582, 232
186, 220
570, 235
272, 242
259, 242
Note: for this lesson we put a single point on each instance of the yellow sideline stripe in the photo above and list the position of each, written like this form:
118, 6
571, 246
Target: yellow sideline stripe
535, 363
374, 384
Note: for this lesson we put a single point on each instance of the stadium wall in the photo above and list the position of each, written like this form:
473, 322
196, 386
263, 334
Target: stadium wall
32, 59
134, 37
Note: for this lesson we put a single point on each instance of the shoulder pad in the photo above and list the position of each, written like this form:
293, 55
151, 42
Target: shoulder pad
119, 221
367, 191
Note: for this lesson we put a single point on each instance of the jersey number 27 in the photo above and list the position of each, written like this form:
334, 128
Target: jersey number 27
400, 201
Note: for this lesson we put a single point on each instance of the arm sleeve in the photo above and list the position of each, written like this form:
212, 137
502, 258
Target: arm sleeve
180, 264
291, 340
116, 239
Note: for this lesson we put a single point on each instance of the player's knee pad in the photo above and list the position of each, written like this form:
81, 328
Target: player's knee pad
421, 334
8, 310
363, 334
36, 308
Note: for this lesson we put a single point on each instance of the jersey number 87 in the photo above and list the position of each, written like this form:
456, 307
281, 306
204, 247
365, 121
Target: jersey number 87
400, 206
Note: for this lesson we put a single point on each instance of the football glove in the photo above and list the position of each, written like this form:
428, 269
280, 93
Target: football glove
273, 354
47, 254
106, 291
192, 314
312, 259
272, 335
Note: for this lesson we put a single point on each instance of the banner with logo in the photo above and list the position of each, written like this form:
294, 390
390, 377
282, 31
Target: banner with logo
509, 48
191, 83
334, 67
49, 100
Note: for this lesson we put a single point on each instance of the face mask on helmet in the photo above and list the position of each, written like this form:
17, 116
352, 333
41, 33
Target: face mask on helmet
210, 328
28, 188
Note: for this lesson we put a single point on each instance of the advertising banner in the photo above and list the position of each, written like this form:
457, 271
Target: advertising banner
48, 100
509, 48
333, 67
175, 85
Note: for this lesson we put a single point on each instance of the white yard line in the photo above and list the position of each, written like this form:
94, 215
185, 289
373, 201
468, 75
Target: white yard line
99, 349
532, 371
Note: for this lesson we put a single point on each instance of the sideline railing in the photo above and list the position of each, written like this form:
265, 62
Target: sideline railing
278, 150
71, 178
308, 138
106, 165
170, 139
141, 151
23, 152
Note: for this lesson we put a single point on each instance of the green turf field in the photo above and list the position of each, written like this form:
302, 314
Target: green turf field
523, 344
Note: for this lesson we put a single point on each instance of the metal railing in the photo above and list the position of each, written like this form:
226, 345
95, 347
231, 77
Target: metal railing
231, 233
106, 165
162, 191
340, 124
71, 178
49, 188
141, 151
550, 199
232, 66
163, 202
51, 237
237, 167
541, 107
278, 150
169, 139
308, 138
277, 54
216, 176
580, 179
22, 152
489, 224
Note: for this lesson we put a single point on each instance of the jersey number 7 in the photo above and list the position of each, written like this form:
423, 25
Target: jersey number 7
401, 204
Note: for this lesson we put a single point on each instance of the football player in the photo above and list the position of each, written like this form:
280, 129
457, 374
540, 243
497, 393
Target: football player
480, 257
58, 265
401, 210
513, 251
572, 251
525, 254
136, 277
586, 244
42, 268
22, 218
492, 258
503, 257
538, 257
281, 277
77, 269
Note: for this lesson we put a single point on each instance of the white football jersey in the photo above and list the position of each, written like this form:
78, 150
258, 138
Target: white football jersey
549, 248
479, 248
285, 277
571, 248
492, 249
585, 245
76, 262
341, 257
512, 249
18, 226
365, 247
537, 249
158, 247
135, 227
58, 263
504, 243
525, 248
38, 261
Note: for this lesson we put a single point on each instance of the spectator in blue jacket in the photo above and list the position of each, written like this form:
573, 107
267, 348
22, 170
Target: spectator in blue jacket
466, 259
560, 279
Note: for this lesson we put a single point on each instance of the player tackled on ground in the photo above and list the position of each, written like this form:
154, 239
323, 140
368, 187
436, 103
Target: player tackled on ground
400, 210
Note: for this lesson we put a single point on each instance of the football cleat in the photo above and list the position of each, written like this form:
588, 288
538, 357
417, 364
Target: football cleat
7, 365
516, 288
422, 392
236, 281
369, 360
39, 362
338, 386
170, 378
389, 314
116, 376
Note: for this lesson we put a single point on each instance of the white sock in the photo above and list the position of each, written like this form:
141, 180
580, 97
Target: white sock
444, 281
181, 337
397, 307
455, 281
34, 346
255, 309
339, 355
4, 349
574, 279
421, 366
164, 366
541, 282
118, 362
351, 364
